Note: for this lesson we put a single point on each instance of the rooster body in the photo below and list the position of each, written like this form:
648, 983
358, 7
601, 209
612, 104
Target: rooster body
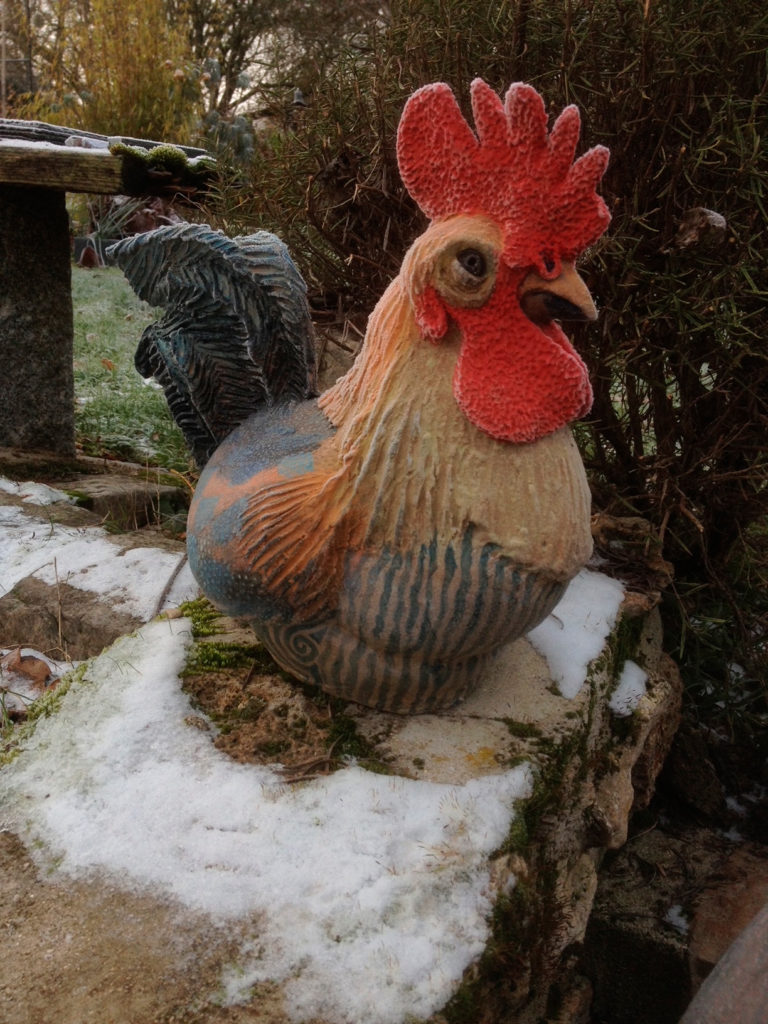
386, 538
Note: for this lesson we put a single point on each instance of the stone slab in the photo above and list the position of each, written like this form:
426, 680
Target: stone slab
737, 989
542, 875
126, 502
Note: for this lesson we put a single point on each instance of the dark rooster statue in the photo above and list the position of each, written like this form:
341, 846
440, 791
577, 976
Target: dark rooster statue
386, 538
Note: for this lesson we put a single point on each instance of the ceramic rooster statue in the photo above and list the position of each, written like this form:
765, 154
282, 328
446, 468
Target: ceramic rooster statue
386, 538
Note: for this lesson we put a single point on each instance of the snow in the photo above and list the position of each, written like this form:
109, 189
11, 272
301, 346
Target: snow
629, 691
34, 493
359, 875
43, 145
576, 631
733, 835
736, 806
87, 559
675, 916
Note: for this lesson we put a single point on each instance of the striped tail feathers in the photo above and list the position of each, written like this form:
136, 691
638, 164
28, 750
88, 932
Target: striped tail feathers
210, 387
236, 335
290, 360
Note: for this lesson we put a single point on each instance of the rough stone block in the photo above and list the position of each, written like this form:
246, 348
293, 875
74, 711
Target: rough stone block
480, 842
36, 335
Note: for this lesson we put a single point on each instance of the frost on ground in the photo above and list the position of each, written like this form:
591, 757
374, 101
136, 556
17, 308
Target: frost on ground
356, 875
675, 917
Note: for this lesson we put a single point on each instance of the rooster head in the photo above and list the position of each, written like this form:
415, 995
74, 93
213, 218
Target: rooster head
511, 212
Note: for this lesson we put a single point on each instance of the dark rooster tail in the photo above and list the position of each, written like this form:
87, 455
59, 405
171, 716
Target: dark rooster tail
236, 336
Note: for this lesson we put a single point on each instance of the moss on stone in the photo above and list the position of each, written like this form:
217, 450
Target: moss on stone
522, 730
624, 643
203, 616
146, 170
513, 917
345, 741
209, 656
250, 711
80, 498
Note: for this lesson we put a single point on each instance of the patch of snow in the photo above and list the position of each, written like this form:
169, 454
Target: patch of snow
575, 633
34, 493
676, 917
85, 558
733, 835
379, 879
131, 580
40, 144
184, 588
629, 691
735, 806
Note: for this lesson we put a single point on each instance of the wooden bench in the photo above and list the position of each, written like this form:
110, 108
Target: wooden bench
39, 164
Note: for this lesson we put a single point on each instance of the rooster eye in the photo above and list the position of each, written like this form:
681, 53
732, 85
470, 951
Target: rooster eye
473, 262
465, 273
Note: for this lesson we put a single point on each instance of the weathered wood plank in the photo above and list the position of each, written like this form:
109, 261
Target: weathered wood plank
70, 169
40, 131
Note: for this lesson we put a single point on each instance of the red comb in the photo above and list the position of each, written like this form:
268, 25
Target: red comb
512, 170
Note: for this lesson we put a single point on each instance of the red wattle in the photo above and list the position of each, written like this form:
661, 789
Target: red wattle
513, 379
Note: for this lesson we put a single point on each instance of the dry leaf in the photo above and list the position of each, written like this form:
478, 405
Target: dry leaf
35, 669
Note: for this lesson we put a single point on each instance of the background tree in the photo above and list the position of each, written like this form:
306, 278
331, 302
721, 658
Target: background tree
18, 77
158, 62
114, 68
224, 40
258, 52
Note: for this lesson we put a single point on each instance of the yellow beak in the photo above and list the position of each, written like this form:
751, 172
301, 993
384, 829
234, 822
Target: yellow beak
564, 298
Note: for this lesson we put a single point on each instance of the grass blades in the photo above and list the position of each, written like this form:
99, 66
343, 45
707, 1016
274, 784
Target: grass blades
117, 413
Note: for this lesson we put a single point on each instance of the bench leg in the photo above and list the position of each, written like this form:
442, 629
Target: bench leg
37, 409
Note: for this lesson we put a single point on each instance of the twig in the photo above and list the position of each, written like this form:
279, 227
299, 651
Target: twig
167, 588
62, 648
304, 771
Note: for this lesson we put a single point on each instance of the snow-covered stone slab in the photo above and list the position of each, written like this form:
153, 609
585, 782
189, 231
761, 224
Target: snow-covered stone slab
454, 875
405, 882
379, 874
